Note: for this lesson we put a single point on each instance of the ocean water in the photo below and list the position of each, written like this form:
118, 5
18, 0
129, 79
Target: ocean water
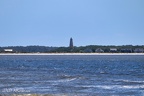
72, 75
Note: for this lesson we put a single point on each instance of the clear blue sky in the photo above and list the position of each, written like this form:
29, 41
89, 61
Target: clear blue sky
88, 22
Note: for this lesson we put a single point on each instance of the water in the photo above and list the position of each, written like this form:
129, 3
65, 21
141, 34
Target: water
72, 75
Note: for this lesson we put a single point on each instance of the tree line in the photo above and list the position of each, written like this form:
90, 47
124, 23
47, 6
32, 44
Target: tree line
75, 49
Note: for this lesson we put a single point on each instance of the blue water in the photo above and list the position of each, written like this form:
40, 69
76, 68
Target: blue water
73, 75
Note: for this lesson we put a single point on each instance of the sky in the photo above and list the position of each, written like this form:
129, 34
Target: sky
88, 22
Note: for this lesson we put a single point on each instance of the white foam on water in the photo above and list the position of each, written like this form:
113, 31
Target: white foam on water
133, 86
123, 87
64, 80
108, 87
87, 86
97, 86
135, 81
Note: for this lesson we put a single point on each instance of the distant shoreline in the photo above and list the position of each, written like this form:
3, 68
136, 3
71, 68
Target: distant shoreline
71, 54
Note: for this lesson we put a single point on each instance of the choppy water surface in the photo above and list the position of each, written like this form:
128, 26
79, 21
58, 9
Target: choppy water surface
73, 75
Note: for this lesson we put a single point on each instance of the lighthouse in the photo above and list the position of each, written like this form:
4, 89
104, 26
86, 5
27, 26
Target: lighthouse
71, 43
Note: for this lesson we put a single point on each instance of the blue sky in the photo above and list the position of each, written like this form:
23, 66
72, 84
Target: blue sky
88, 22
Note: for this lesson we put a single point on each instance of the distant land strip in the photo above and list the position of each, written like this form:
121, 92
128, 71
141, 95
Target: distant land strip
71, 53
74, 49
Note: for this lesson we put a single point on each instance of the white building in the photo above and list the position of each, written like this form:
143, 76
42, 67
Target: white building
8, 50
113, 50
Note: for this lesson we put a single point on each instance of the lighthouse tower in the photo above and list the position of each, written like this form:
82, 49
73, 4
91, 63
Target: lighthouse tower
71, 43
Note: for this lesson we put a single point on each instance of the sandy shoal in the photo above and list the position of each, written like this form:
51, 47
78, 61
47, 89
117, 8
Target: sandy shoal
71, 53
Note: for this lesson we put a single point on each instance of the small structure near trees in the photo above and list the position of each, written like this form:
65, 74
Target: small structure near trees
8, 50
113, 49
99, 50
139, 50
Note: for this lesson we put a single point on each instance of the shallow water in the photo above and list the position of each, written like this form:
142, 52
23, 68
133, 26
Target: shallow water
72, 75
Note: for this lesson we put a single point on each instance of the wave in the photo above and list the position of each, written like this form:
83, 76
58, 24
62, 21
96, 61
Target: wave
128, 81
65, 78
110, 87
133, 81
122, 87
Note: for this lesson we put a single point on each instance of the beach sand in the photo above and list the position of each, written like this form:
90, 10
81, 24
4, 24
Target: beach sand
71, 53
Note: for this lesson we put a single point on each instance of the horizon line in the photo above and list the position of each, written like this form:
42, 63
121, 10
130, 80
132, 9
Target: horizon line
68, 46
